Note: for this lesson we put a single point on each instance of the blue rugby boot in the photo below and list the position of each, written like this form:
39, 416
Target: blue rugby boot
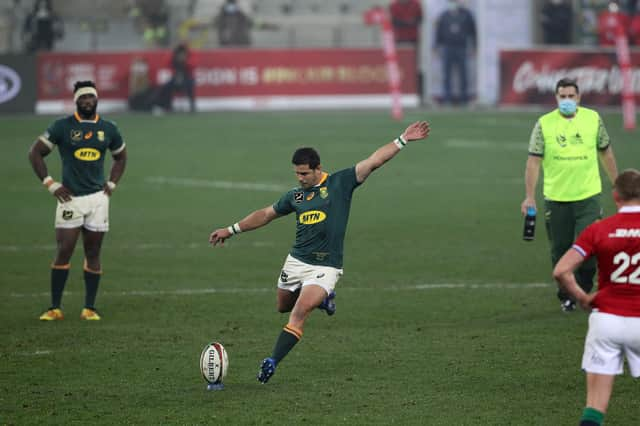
328, 304
267, 368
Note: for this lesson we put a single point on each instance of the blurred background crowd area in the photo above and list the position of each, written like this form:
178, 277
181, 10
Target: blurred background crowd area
104, 25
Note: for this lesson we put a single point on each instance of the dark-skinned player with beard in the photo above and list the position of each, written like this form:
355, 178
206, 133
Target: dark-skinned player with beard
83, 140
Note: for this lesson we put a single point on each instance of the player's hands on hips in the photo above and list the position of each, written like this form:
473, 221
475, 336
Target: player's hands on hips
416, 131
63, 194
586, 302
528, 202
219, 236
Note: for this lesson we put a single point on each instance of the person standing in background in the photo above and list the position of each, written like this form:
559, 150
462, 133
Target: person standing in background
634, 30
608, 23
42, 27
556, 19
455, 38
406, 19
233, 25
182, 80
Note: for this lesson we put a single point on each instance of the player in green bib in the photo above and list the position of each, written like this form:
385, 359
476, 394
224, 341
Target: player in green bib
568, 142
83, 140
314, 265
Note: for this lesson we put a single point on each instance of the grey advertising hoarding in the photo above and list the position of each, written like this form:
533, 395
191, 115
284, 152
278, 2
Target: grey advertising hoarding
17, 83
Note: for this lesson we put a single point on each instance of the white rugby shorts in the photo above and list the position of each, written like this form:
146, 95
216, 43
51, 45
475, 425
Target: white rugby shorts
609, 340
89, 211
296, 274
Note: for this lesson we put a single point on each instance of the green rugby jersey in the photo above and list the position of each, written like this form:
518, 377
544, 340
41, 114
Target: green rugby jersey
322, 213
83, 145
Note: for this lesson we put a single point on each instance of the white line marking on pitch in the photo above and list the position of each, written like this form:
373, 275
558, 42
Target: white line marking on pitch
232, 290
136, 246
36, 353
218, 184
485, 144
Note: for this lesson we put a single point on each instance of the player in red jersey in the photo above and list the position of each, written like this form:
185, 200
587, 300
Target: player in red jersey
614, 323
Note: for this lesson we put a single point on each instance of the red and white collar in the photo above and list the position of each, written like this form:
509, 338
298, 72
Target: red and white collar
629, 209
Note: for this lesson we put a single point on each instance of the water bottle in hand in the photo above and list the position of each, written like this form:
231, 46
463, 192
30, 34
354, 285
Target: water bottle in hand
529, 224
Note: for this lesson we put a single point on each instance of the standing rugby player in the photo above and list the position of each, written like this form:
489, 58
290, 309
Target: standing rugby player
83, 140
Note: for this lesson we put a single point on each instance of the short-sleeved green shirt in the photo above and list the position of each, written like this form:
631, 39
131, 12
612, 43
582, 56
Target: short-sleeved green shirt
322, 213
83, 145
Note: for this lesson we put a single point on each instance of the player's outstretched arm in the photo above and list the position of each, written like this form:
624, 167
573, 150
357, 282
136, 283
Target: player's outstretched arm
254, 220
416, 131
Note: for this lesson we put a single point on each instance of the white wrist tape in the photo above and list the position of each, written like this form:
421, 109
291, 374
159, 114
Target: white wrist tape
234, 229
111, 185
400, 142
52, 185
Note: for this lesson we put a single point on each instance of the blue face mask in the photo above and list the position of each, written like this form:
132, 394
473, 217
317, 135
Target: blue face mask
567, 106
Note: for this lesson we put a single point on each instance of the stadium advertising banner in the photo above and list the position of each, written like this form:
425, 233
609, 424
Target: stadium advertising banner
17, 91
529, 76
236, 79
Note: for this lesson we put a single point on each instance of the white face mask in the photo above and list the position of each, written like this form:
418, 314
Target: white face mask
231, 8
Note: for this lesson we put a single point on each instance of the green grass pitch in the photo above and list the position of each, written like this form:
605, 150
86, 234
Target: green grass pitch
445, 316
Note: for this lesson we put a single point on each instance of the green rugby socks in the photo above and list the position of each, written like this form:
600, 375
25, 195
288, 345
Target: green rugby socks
591, 417
59, 275
288, 338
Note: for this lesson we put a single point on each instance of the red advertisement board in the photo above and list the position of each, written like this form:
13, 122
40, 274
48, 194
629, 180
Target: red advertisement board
529, 76
233, 73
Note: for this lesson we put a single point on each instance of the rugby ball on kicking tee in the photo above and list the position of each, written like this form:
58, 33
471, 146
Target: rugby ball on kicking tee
214, 363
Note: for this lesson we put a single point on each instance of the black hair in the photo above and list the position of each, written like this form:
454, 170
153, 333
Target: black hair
567, 82
306, 156
81, 84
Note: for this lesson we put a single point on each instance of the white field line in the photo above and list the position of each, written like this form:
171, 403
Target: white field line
217, 184
136, 247
233, 290
35, 353
486, 144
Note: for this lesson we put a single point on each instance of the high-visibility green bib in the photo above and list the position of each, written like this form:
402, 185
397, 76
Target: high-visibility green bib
570, 161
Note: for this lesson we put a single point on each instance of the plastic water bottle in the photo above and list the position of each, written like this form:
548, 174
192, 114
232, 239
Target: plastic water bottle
529, 224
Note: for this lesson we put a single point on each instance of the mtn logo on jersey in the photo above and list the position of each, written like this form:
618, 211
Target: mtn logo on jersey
625, 233
87, 154
312, 217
